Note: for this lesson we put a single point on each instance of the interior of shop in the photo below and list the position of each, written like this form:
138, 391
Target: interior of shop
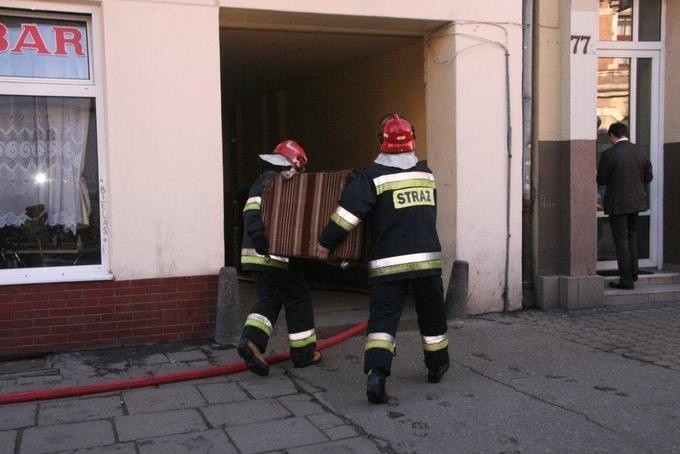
321, 80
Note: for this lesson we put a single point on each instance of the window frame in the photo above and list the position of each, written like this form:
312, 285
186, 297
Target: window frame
84, 88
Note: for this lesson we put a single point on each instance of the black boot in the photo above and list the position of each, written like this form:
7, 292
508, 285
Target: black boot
435, 374
375, 386
252, 357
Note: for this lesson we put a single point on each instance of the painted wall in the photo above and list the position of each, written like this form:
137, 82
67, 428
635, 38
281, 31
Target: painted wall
478, 183
506, 11
672, 107
164, 148
163, 132
336, 116
465, 113
548, 87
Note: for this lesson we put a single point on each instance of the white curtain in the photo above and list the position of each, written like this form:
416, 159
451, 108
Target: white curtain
42, 146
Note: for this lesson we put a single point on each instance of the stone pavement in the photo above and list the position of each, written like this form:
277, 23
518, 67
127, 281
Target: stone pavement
602, 380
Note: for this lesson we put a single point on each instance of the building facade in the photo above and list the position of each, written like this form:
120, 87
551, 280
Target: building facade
130, 129
596, 63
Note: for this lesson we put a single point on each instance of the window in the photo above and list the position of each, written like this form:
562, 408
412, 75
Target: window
630, 20
51, 181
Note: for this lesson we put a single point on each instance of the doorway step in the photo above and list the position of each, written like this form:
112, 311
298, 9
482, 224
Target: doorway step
661, 286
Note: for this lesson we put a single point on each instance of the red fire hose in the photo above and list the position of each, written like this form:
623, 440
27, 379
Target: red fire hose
130, 383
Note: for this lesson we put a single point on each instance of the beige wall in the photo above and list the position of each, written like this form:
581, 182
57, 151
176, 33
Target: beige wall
672, 107
461, 124
162, 127
475, 181
163, 145
432, 9
336, 116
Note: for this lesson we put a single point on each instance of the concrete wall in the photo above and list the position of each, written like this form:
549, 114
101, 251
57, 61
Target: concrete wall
163, 147
564, 161
672, 63
671, 190
160, 77
461, 125
336, 116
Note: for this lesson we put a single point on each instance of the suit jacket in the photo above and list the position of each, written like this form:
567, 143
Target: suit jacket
625, 170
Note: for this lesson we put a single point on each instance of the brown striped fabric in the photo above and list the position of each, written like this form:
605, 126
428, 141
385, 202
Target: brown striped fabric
296, 210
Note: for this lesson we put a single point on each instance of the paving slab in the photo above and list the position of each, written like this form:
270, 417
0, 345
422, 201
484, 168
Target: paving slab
357, 445
61, 437
149, 400
215, 393
280, 434
206, 442
135, 427
301, 404
265, 387
18, 416
120, 448
7, 441
246, 412
74, 410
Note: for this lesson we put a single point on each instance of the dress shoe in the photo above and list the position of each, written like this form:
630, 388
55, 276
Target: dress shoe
310, 362
621, 286
252, 357
435, 375
375, 387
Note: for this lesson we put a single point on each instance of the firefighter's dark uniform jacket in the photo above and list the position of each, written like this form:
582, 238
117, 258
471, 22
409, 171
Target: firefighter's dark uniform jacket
400, 211
254, 234
399, 208
276, 285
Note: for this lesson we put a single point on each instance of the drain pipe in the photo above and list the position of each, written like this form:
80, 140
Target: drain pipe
508, 137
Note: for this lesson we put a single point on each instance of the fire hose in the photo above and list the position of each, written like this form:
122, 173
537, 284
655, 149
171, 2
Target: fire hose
130, 383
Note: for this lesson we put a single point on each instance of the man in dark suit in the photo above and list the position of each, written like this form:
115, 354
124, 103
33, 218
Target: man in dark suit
624, 170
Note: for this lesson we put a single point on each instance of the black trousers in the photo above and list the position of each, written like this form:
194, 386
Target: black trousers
386, 305
291, 291
624, 230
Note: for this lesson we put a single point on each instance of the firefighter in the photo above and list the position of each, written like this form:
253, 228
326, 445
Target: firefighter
277, 282
396, 197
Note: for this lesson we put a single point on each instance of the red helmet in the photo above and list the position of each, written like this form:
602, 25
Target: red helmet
397, 135
293, 152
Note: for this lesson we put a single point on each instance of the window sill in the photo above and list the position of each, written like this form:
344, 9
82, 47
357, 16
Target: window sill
19, 276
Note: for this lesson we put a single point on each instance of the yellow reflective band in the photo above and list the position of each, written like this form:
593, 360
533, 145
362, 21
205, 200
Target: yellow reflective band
380, 344
402, 176
347, 216
344, 225
404, 268
412, 184
402, 259
345, 219
253, 203
404, 198
260, 322
435, 347
302, 342
256, 260
403, 180
250, 256
301, 334
253, 252
433, 339
381, 336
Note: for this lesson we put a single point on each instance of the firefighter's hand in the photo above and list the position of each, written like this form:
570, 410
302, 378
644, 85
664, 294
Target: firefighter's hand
321, 252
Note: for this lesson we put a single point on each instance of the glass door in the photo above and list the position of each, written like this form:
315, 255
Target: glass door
628, 91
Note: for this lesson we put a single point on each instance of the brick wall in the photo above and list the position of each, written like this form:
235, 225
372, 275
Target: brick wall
42, 318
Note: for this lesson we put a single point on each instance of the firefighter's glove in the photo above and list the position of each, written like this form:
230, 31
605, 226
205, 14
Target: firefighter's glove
261, 245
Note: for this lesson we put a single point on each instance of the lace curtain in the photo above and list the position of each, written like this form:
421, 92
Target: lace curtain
42, 146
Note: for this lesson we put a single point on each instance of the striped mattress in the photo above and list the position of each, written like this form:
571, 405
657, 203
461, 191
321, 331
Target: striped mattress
296, 210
